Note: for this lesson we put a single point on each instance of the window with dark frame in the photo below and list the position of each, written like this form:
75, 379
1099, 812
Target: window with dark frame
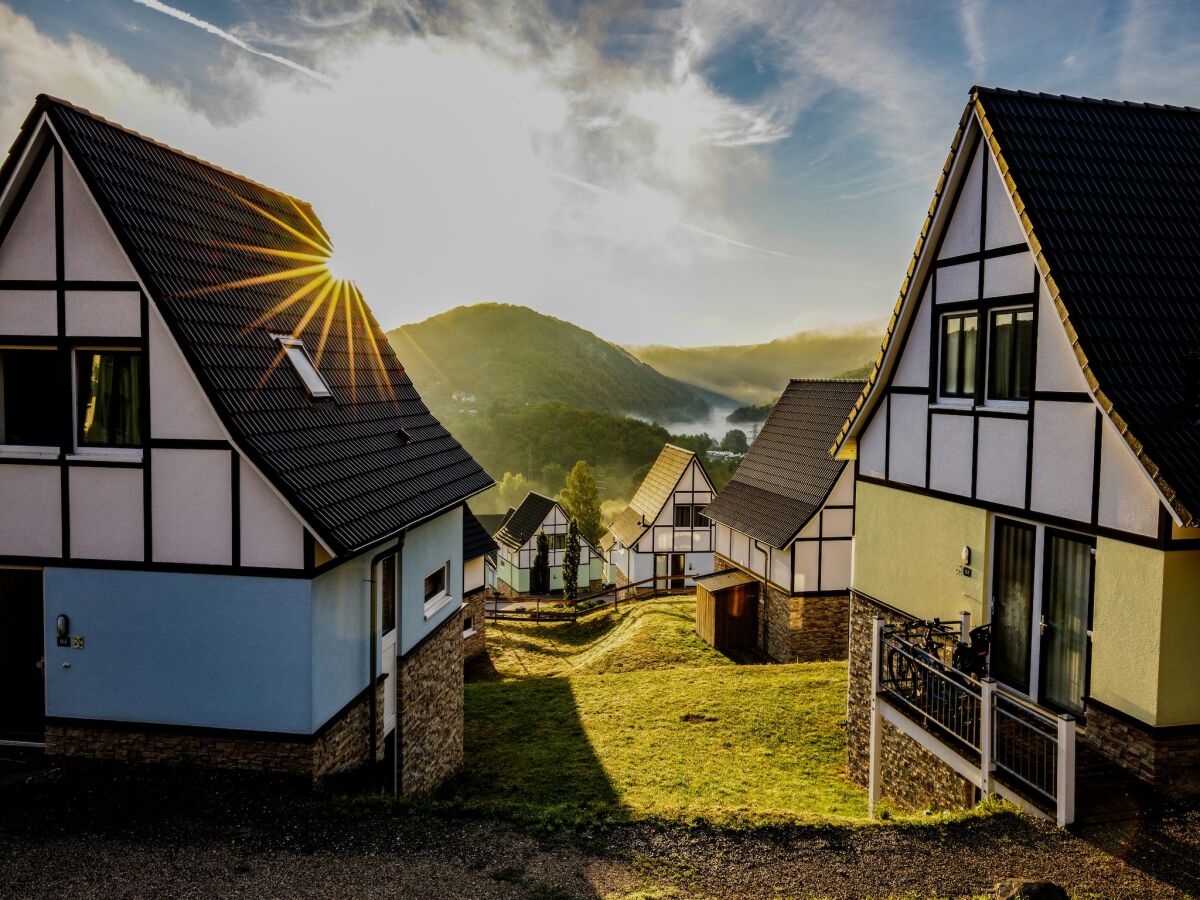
435, 583
683, 516
387, 594
468, 624
109, 398
959, 347
1010, 354
29, 397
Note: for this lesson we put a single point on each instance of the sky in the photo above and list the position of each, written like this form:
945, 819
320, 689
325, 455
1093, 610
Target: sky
690, 173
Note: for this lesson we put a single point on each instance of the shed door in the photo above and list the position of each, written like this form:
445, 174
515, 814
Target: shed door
22, 657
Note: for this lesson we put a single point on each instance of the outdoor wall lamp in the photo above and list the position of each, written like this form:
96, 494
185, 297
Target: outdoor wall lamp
62, 627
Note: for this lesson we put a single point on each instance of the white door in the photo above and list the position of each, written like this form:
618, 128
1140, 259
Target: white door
388, 592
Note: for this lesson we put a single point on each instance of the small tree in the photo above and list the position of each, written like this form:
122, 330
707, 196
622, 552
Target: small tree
539, 577
581, 500
570, 566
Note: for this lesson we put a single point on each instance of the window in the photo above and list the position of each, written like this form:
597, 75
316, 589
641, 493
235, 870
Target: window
468, 626
435, 584
1011, 354
557, 541
293, 349
387, 594
29, 398
683, 516
699, 520
960, 337
109, 398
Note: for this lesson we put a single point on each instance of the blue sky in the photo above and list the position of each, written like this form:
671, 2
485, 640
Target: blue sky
696, 172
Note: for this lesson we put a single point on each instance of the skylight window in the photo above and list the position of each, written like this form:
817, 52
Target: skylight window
293, 349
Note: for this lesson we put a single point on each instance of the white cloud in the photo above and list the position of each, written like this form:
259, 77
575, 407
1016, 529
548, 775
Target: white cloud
970, 20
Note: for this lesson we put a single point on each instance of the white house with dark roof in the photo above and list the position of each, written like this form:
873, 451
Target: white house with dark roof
229, 528
786, 520
662, 531
1027, 457
517, 541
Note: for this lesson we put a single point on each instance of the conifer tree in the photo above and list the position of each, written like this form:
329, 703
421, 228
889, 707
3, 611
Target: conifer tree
570, 566
539, 577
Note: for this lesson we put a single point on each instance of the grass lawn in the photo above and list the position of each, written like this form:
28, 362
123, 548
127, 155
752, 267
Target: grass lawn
631, 716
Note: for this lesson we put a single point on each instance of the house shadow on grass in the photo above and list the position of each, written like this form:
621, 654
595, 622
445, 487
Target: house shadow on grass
1162, 840
528, 759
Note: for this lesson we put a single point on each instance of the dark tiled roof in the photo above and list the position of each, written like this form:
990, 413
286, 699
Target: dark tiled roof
491, 522
723, 580
652, 494
524, 521
186, 226
476, 540
788, 472
1112, 194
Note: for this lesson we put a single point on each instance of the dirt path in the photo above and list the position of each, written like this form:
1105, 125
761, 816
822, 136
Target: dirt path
85, 831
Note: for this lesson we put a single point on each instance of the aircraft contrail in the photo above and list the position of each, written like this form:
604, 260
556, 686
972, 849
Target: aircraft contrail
231, 38
696, 229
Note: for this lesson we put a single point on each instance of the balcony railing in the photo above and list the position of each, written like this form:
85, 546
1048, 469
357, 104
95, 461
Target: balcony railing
997, 740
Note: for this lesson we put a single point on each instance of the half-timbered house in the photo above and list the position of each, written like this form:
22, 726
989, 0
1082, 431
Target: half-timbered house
230, 531
786, 519
1027, 455
517, 540
662, 533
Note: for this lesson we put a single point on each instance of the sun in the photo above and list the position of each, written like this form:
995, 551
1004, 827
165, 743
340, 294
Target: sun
336, 268
323, 290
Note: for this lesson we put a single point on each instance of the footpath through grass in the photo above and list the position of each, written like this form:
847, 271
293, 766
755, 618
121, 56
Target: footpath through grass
632, 717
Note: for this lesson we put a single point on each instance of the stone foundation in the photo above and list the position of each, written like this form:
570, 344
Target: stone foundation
477, 613
429, 709
1168, 758
799, 629
912, 777
340, 745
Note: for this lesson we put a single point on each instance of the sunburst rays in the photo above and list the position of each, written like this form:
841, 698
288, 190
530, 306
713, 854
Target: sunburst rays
322, 293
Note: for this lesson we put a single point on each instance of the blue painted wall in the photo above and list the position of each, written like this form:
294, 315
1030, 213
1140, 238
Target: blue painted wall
425, 549
182, 649
340, 641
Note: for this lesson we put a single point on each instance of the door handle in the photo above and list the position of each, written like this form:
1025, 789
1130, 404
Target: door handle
41, 664
1042, 625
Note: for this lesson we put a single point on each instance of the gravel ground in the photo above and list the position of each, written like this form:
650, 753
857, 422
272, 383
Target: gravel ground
93, 830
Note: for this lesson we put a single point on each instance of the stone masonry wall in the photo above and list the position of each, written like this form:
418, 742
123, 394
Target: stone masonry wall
477, 613
820, 627
775, 623
430, 709
342, 745
911, 776
1169, 759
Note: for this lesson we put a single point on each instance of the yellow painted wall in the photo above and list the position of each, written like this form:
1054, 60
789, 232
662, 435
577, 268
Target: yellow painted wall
1127, 627
906, 548
1179, 666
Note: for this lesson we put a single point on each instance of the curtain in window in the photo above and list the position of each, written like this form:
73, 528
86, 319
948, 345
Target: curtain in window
110, 395
1012, 354
1012, 604
1064, 641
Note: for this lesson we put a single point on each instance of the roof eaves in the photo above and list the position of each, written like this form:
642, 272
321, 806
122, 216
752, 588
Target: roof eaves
1169, 494
860, 404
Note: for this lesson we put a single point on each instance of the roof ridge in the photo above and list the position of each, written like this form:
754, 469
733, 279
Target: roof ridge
1089, 101
826, 380
676, 447
46, 99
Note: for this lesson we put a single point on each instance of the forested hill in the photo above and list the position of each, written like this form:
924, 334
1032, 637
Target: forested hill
511, 354
756, 373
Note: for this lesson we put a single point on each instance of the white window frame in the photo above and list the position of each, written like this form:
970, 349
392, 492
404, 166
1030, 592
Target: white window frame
1016, 406
304, 367
83, 452
437, 602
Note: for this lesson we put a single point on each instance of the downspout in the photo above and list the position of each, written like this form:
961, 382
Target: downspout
373, 655
397, 739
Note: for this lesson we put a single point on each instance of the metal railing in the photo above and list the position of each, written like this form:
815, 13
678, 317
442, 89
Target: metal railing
942, 699
498, 607
997, 740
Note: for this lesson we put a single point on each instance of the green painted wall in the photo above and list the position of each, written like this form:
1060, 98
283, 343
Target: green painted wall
1127, 627
1179, 667
907, 547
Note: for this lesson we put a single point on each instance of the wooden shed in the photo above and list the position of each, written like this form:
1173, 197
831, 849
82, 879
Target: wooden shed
727, 609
